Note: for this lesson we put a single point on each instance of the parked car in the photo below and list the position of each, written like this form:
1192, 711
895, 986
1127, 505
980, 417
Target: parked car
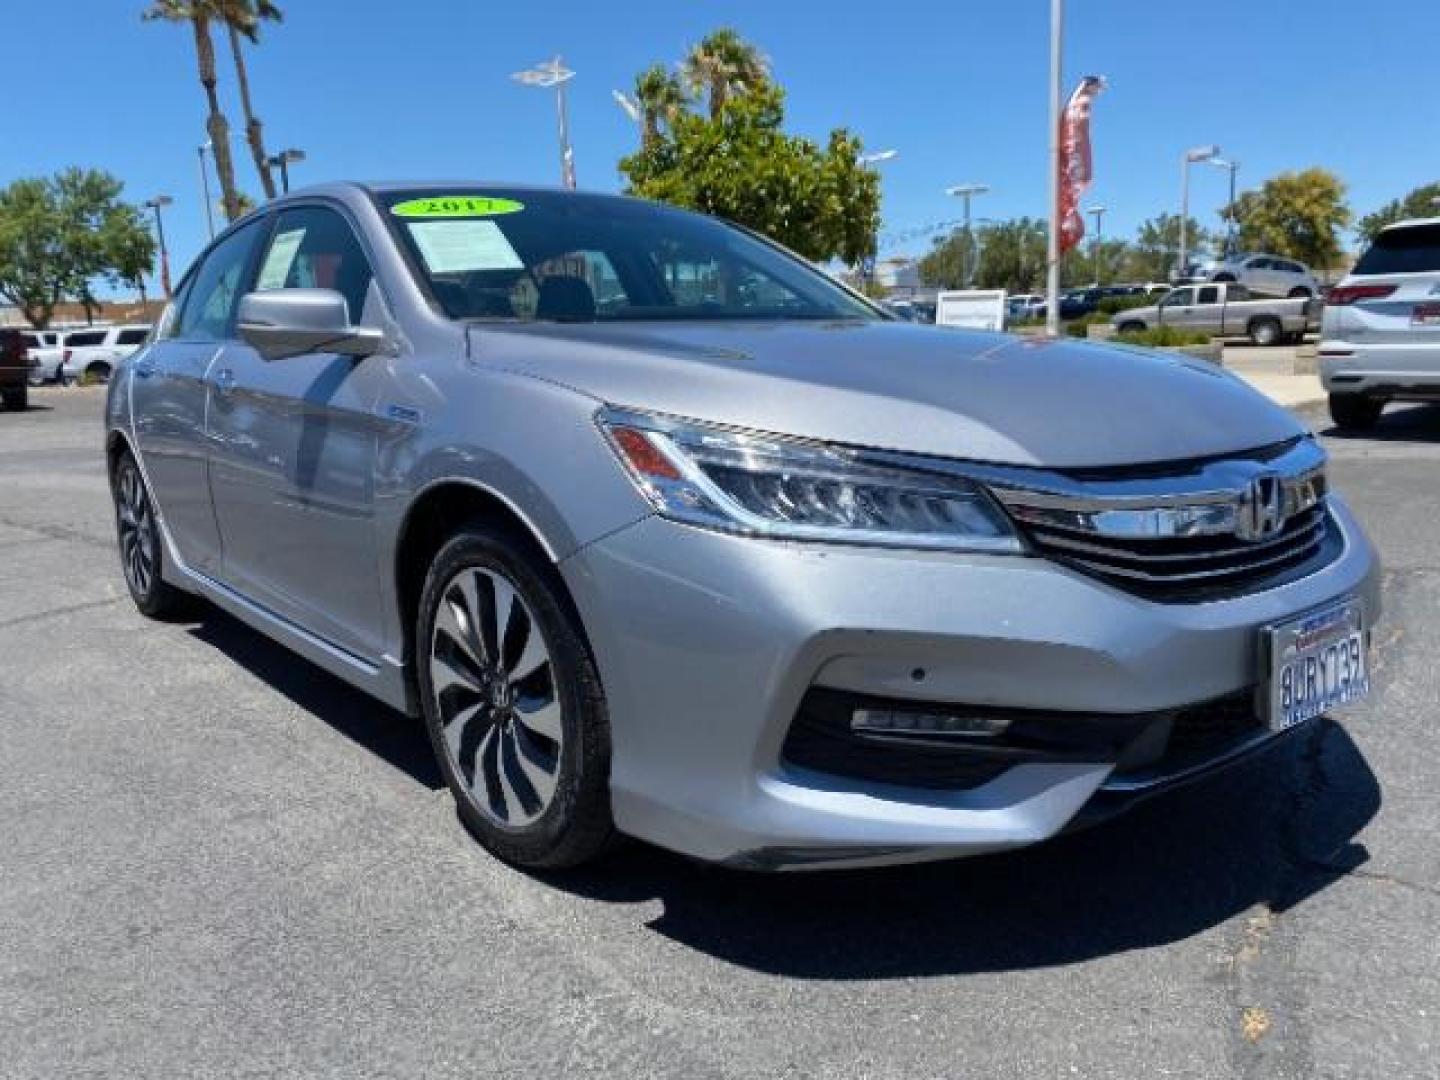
96, 352
15, 366
45, 355
1380, 333
1025, 306
1265, 275
1223, 310
737, 565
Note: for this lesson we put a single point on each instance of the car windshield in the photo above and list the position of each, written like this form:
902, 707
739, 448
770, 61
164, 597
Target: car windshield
560, 257
1414, 249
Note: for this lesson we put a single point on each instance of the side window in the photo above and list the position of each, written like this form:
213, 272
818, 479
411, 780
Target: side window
315, 248
208, 311
1178, 298
133, 336
84, 338
1258, 264
1209, 295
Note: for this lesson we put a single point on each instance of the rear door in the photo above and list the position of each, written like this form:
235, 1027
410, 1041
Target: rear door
293, 444
1393, 294
168, 395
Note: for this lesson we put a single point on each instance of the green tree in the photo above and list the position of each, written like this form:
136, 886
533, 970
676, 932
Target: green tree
242, 18
200, 14
661, 97
722, 65
1156, 248
1420, 203
820, 202
61, 236
1297, 214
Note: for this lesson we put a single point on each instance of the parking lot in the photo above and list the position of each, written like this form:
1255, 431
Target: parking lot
218, 861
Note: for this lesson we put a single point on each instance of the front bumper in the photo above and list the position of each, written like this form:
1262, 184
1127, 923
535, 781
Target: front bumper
707, 644
1403, 370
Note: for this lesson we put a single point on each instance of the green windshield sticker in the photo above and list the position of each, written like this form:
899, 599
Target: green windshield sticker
455, 206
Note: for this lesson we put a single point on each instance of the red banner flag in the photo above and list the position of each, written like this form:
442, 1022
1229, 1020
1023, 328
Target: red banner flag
1075, 166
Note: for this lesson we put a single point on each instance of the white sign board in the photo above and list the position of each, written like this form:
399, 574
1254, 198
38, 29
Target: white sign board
974, 309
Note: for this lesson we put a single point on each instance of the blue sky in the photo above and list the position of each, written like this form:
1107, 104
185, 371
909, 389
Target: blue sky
384, 90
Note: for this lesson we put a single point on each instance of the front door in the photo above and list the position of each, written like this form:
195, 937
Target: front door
1178, 307
168, 387
293, 445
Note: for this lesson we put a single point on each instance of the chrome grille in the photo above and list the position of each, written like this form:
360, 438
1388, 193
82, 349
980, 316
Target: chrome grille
1184, 535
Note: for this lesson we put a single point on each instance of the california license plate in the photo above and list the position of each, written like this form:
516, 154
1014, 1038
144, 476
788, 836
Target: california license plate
1317, 662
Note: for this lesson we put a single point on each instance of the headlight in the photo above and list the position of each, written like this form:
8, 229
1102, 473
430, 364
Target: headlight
769, 486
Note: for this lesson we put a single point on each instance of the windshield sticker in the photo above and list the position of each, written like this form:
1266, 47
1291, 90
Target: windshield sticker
455, 206
458, 247
279, 259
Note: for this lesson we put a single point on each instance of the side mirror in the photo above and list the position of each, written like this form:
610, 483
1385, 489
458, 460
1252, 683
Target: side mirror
281, 323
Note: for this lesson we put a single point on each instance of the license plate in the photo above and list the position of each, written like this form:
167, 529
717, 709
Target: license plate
1425, 315
1317, 662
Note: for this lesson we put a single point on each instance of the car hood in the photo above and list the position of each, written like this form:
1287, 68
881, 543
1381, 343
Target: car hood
896, 386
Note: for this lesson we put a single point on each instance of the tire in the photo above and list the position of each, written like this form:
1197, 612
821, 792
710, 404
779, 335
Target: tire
524, 744
17, 400
98, 373
1131, 327
137, 532
1266, 331
1298, 292
1355, 412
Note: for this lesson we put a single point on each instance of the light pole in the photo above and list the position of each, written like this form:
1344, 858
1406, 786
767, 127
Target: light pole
879, 156
1194, 154
205, 190
1052, 254
1098, 212
283, 161
967, 192
554, 73
1232, 167
155, 204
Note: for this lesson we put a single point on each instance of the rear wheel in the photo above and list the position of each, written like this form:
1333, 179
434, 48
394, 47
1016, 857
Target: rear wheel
17, 399
1355, 412
97, 373
1266, 331
138, 533
512, 702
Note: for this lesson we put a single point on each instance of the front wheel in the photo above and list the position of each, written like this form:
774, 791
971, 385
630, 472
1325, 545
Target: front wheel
513, 704
1355, 412
1130, 328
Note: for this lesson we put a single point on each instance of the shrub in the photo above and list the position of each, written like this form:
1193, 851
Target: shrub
1113, 305
1164, 337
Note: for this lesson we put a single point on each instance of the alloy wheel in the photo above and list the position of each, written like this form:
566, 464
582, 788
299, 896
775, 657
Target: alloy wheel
137, 530
495, 692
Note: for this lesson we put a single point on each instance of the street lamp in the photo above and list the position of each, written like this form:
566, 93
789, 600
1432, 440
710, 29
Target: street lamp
966, 192
155, 204
1193, 155
283, 161
1098, 212
1232, 167
554, 73
203, 148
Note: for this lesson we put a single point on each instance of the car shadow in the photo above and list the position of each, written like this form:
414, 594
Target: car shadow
1399, 423
386, 733
1273, 831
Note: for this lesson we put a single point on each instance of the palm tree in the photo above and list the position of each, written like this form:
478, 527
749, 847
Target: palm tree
722, 64
661, 97
242, 18
199, 14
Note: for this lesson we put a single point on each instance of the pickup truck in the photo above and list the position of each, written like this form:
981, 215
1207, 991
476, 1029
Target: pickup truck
1224, 310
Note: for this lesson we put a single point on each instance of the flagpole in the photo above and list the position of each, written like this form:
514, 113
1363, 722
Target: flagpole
1052, 266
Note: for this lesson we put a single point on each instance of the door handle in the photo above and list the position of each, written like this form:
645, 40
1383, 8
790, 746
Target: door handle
224, 381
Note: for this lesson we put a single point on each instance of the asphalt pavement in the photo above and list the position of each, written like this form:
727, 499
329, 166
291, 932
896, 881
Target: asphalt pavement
216, 861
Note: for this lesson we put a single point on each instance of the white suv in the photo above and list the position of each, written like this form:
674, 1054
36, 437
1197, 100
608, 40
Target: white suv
1266, 275
1380, 335
97, 351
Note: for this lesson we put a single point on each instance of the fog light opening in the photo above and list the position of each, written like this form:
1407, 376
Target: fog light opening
904, 722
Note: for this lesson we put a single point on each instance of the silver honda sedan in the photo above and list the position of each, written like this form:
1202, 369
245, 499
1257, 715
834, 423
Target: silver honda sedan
665, 534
